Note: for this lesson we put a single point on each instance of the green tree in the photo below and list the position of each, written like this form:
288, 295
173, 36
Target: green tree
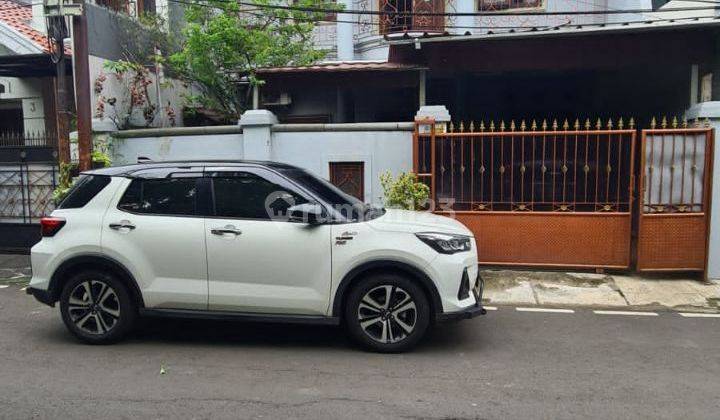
224, 41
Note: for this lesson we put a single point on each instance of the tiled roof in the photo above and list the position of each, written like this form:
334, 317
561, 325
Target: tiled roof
341, 66
18, 17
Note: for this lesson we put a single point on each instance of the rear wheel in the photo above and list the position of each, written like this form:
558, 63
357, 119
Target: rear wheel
96, 307
387, 313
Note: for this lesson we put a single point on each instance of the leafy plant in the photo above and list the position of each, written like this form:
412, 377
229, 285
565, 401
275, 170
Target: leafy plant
101, 157
225, 42
405, 191
65, 182
144, 44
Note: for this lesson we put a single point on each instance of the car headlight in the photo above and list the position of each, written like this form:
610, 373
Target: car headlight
445, 243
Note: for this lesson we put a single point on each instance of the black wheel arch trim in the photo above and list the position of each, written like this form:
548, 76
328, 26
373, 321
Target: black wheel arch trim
413, 271
55, 288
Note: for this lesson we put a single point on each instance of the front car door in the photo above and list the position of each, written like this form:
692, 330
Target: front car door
258, 263
156, 230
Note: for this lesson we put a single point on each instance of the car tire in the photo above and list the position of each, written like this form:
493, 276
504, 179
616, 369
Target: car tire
387, 313
97, 307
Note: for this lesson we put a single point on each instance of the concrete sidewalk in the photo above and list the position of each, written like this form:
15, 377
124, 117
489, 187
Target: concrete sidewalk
552, 288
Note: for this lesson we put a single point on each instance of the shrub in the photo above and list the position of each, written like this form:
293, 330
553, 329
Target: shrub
405, 191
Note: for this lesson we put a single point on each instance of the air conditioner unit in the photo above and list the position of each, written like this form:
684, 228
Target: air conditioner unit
276, 98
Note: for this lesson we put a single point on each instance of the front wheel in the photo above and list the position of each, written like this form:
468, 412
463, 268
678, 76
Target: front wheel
96, 307
387, 313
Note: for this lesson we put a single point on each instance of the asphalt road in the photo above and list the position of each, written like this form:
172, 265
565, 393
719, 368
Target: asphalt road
508, 364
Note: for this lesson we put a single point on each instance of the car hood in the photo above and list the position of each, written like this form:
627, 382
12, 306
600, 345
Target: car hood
395, 220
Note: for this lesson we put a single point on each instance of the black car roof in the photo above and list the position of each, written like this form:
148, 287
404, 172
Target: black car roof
138, 169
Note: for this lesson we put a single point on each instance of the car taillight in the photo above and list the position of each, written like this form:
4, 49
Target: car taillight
51, 225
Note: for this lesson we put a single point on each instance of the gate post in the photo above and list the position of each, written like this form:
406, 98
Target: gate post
257, 133
710, 112
438, 117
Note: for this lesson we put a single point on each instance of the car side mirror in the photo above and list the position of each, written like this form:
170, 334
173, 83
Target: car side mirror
311, 213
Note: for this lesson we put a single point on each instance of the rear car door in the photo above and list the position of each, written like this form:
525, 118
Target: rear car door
258, 263
156, 230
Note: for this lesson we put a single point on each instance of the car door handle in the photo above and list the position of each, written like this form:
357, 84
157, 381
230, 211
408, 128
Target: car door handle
226, 229
123, 224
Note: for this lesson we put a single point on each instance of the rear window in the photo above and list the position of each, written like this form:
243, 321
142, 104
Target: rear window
87, 187
170, 196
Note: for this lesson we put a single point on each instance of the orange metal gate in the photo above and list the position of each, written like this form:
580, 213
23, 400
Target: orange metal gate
675, 188
545, 196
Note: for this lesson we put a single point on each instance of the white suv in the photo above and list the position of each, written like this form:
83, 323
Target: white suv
248, 240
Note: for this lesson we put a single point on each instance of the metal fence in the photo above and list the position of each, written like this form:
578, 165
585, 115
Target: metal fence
26, 191
533, 167
27, 139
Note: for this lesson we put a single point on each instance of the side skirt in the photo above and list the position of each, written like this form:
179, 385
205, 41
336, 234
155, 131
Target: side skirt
240, 316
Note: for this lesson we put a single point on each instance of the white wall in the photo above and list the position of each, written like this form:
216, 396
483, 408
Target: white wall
210, 146
380, 151
170, 94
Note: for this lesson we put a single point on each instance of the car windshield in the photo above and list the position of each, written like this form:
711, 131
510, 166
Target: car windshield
348, 206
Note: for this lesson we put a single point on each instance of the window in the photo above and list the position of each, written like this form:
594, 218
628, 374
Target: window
349, 177
249, 196
499, 5
83, 191
172, 196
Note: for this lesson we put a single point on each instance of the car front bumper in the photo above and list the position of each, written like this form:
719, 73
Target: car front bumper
470, 311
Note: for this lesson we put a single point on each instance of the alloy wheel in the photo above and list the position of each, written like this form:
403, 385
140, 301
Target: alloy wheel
94, 307
387, 314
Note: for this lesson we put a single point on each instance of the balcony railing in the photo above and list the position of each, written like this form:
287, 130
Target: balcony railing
28, 139
411, 16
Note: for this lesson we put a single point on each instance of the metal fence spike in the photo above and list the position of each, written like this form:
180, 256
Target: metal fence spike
502, 125
610, 124
492, 125
576, 125
462, 126
482, 125
684, 122
544, 125
472, 126
675, 122
512, 125
664, 122
452, 127
587, 123
653, 123
621, 124
631, 123
554, 124
598, 124
522, 125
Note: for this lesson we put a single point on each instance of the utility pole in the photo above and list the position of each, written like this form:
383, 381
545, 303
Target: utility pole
63, 114
82, 89
56, 11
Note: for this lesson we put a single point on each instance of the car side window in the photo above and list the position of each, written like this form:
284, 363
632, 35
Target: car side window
168, 196
249, 196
